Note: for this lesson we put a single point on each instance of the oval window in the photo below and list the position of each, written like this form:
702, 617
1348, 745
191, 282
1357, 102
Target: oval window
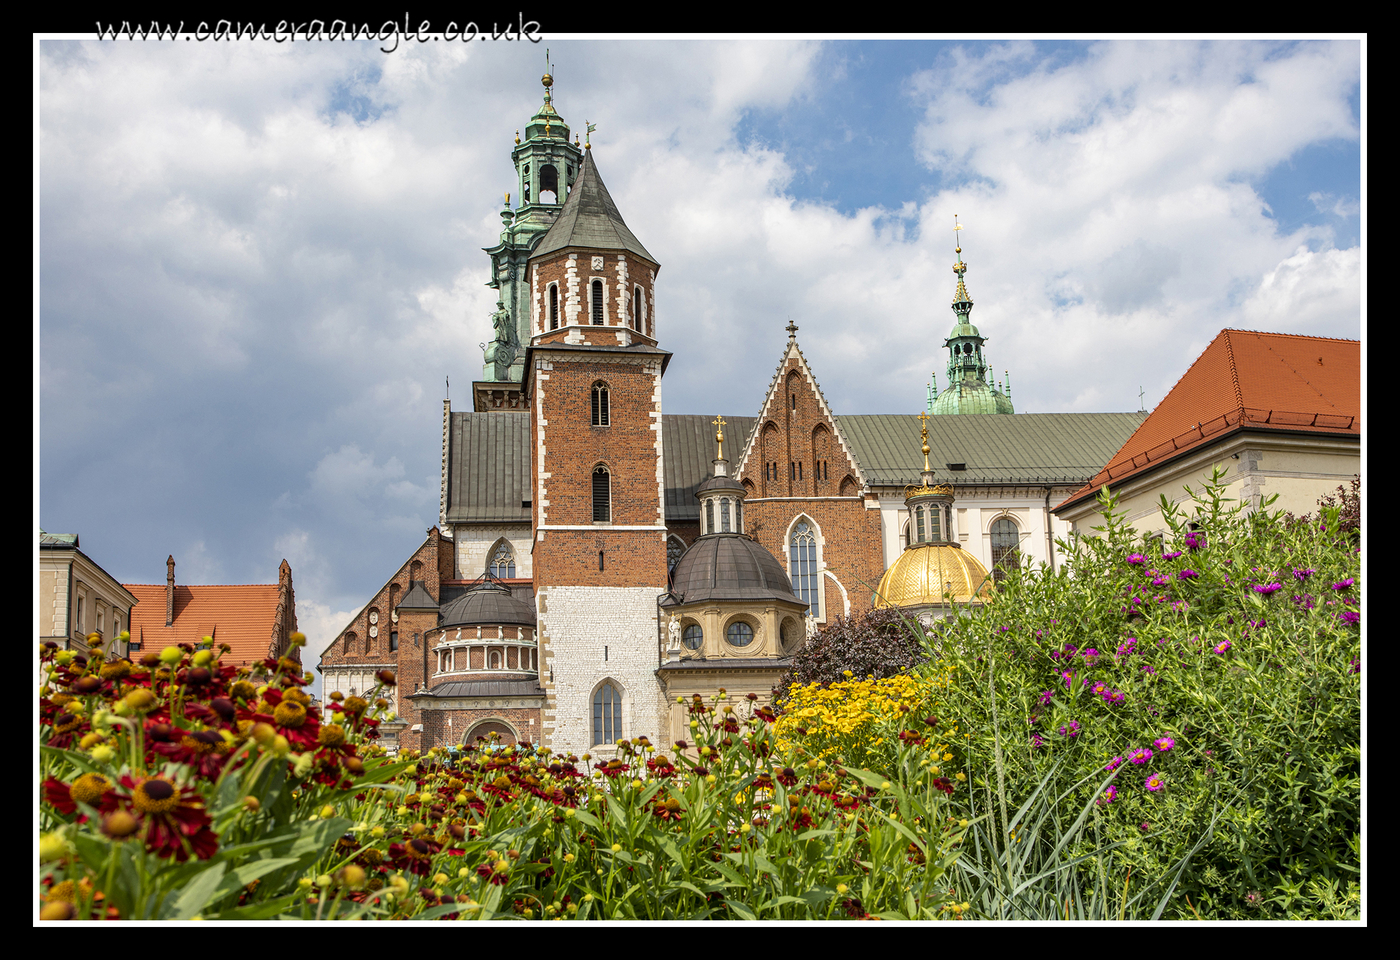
740, 634
692, 636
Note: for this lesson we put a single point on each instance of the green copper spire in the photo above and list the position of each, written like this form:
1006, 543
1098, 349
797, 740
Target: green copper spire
546, 166
969, 388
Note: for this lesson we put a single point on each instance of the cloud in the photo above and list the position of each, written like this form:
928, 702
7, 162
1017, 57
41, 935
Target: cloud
1337, 206
1309, 292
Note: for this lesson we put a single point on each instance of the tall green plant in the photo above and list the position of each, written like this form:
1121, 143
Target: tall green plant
1214, 673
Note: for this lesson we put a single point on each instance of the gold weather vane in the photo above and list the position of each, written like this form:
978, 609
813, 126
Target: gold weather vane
957, 247
588, 128
719, 435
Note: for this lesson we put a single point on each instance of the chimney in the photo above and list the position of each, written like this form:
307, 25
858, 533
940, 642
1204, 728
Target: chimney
169, 590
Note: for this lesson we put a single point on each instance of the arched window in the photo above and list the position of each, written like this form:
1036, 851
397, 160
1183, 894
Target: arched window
350, 642
600, 412
802, 566
554, 306
637, 309
597, 304
549, 184
1006, 542
602, 497
674, 548
502, 561
724, 514
607, 714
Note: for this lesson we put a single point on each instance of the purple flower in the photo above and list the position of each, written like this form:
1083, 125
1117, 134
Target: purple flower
1161, 581
1222, 646
1148, 669
1154, 783
1163, 744
1136, 558
1045, 696
1140, 755
1070, 729
1068, 678
1350, 616
1171, 556
1114, 764
1127, 647
1100, 689
1303, 574
1109, 795
1345, 584
1187, 575
1114, 696
1195, 540
1267, 587
1037, 741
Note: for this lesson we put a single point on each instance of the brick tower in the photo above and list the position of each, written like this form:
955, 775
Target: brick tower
593, 378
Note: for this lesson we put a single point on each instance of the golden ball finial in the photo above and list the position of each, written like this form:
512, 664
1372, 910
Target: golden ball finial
547, 80
957, 249
517, 138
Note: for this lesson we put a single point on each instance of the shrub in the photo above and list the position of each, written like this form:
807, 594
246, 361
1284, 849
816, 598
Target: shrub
1206, 687
877, 644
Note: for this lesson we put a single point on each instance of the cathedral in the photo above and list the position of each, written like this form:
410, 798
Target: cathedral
595, 558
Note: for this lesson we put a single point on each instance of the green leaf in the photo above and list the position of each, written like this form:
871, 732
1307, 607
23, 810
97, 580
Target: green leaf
742, 910
193, 899
263, 910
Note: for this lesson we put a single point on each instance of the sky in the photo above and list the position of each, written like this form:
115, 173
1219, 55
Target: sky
257, 264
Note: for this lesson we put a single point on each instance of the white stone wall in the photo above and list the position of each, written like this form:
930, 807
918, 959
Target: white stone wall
575, 624
476, 543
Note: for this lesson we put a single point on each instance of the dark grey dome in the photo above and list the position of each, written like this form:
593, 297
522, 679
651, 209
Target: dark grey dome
729, 567
486, 603
719, 485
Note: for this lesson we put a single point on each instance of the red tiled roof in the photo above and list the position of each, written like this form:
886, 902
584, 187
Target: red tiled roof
1263, 381
241, 616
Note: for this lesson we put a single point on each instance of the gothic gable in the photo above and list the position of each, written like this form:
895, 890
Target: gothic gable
796, 448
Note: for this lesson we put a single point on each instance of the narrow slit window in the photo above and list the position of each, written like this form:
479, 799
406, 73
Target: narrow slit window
600, 412
554, 306
597, 303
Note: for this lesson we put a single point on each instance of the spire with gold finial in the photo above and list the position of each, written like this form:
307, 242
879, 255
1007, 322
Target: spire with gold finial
962, 303
719, 436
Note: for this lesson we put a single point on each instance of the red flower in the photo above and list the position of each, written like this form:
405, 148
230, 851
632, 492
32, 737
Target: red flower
172, 820
415, 856
92, 789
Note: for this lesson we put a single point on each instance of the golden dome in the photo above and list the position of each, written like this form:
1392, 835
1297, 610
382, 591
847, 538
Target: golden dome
925, 572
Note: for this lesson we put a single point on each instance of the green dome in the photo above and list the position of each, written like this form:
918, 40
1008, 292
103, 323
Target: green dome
971, 396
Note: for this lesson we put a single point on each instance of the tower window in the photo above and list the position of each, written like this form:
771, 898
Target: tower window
710, 515
674, 548
607, 714
597, 303
554, 306
637, 309
724, 515
549, 184
600, 411
602, 500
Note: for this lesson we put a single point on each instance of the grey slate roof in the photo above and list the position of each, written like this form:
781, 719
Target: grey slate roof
489, 463
729, 567
1021, 448
504, 687
589, 218
417, 598
687, 450
486, 604
489, 467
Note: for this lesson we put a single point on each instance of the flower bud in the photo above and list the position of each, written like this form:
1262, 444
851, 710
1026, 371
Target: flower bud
52, 846
171, 656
